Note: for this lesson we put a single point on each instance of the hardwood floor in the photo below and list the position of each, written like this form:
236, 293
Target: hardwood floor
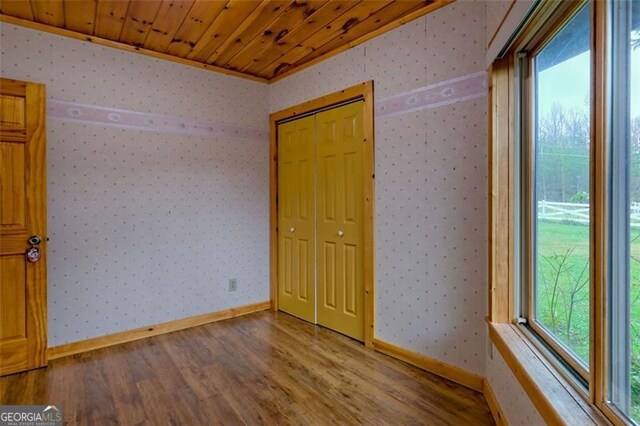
257, 369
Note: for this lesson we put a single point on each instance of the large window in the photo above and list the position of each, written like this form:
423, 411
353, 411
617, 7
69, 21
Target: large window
558, 192
571, 276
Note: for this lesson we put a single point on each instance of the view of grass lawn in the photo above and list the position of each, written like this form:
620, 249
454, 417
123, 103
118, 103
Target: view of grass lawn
563, 291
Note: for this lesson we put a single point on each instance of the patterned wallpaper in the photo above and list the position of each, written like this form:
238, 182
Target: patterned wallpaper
516, 405
146, 226
496, 10
430, 181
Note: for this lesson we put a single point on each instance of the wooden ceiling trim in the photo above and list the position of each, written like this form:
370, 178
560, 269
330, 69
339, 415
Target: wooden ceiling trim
17, 8
327, 33
235, 12
274, 51
235, 42
137, 24
122, 46
50, 12
386, 28
199, 18
294, 15
81, 18
170, 17
110, 16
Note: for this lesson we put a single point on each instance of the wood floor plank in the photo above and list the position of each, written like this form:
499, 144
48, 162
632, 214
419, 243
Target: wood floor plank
262, 368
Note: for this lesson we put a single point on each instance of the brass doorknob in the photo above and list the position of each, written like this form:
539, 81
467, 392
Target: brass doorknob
292, 229
340, 233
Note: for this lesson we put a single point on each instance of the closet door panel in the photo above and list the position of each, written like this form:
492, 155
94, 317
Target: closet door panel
340, 228
296, 218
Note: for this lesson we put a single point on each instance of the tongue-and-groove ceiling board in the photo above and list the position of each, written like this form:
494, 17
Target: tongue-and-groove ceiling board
258, 39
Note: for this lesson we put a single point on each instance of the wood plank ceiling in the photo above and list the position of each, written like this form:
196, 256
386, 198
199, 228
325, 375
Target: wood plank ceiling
258, 39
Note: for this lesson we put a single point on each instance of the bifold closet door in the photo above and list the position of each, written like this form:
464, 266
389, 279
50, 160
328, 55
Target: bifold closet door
340, 214
296, 218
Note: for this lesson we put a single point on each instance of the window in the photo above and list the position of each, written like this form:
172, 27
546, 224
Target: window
624, 280
565, 176
556, 196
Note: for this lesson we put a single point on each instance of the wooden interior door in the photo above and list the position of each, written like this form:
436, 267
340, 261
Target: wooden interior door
296, 218
340, 219
23, 285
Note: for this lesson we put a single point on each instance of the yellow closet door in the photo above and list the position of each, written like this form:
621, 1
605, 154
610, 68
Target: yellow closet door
296, 218
340, 212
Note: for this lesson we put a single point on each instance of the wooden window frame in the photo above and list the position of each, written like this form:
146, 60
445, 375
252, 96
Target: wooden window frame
364, 92
555, 396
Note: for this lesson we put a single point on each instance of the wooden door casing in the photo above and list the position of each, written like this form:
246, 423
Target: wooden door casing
23, 285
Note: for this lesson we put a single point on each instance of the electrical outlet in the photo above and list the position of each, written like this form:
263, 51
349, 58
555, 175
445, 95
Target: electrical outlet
233, 284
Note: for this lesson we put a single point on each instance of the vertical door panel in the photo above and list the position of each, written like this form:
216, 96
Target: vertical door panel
296, 221
13, 203
303, 271
329, 184
288, 267
13, 298
23, 285
340, 227
351, 201
350, 280
305, 174
328, 267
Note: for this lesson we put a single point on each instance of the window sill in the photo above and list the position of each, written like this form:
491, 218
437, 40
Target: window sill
554, 397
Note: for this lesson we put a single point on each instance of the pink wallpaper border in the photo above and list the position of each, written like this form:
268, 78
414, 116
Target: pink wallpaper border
76, 112
449, 92
459, 89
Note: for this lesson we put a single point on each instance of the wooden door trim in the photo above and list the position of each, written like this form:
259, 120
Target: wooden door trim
362, 91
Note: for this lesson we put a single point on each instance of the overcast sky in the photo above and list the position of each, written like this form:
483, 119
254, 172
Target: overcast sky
567, 83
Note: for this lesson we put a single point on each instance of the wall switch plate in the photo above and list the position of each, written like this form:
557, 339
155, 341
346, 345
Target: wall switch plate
233, 284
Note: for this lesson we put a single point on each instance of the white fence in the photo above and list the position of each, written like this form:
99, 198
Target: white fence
577, 213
